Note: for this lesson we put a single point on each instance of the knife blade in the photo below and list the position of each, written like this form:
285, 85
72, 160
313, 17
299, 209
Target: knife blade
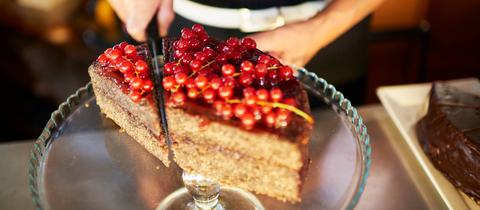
155, 46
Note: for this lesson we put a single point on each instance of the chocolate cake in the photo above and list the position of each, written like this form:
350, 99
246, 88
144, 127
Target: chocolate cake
235, 114
450, 136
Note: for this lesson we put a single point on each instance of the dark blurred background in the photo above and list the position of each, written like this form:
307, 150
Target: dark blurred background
46, 47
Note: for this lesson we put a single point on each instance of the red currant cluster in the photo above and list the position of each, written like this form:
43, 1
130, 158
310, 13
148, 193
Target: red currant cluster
132, 67
233, 77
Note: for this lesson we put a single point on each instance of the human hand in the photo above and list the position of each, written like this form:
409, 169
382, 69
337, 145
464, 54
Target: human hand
294, 43
136, 14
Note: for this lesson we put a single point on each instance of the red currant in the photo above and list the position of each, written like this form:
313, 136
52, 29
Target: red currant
270, 119
228, 69
198, 29
225, 92
147, 85
265, 59
257, 112
190, 83
285, 73
136, 83
127, 77
195, 65
114, 54
192, 93
130, 51
248, 120
249, 91
125, 67
266, 109
209, 52
245, 79
240, 109
290, 101
168, 82
250, 100
136, 96
262, 94
215, 83
177, 69
248, 43
217, 105
232, 42
187, 33
229, 81
246, 66
227, 111
102, 60
261, 70
221, 58
181, 78
209, 94
179, 98
201, 81
276, 94
168, 68
141, 66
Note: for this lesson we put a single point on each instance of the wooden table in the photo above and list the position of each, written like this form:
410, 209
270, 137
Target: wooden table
392, 184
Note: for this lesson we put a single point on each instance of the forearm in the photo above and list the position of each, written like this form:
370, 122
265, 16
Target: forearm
339, 17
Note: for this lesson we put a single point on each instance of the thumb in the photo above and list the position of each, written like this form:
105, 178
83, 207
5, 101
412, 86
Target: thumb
140, 14
165, 17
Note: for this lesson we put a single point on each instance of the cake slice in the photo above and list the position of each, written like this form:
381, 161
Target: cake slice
235, 114
450, 135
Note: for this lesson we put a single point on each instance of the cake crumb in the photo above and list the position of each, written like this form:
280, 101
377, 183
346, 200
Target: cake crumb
87, 105
121, 130
158, 167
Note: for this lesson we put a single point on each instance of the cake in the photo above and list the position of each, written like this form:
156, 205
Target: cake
450, 135
235, 114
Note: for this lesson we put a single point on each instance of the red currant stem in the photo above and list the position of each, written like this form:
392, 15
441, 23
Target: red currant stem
203, 89
293, 109
178, 62
207, 64
204, 66
274, 67
236, 74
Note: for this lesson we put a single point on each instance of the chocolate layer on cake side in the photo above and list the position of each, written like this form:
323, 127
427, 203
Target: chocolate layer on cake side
450, 136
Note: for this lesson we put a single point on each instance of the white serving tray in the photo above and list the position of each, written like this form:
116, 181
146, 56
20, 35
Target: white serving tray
406, 104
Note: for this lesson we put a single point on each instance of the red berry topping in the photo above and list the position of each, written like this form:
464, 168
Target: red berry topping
192, 93
128, 77
227, 111
233, 42
285, 73
262, 94
190, 83
136, 96
229, 81
168, 68
246, 66
250, 100
198, 29
215, 83
240, 109
248, 91
265, 59
249, 43
141, 66
261, 70
125, 67
168, 83
228, 69
209, 94
136, 83
225, 92
270, 119
130, 51
147, 85
102, 60
181, 78
195, 65
276, 94
179, 98
248, 120
201, 81
245, 79
113, 54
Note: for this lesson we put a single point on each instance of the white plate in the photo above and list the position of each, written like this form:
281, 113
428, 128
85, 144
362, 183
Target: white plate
406, 105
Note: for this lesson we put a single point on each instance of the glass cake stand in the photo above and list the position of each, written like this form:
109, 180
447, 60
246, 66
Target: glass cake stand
83, 160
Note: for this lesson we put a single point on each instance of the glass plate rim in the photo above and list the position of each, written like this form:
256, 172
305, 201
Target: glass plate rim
329, 91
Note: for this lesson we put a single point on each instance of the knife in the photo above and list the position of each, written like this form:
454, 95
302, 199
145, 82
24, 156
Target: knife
155, 46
